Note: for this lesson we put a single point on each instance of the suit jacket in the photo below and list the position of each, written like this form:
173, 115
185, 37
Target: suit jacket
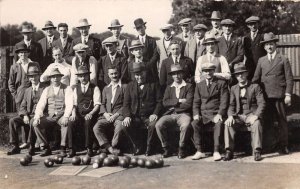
117, 105
95, 45
47, 53
171, 102
120, 62
183, 44
218, 33
66, 51
123, 46
151, 69
233, 50
210, 102
151, 99
187, 65
36, 51
26, 107
191, 50
276, 78
255, 100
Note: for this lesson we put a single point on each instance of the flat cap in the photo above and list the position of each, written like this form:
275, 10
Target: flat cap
167, 27
185, 21
109, 40
252, 19
227, 22
200, 27
208, 66
80, 47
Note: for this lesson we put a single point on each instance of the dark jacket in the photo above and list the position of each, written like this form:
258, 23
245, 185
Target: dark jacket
151, 67
36, 51
67, 50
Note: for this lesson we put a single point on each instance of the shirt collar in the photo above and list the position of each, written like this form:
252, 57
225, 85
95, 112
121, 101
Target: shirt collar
182, 84
113, 56
173, 57
85, 37
19, 61
27, 42
138, 60
36, 87
114, 85
86, 85
50, 38
241, 86
225, 35
272, 55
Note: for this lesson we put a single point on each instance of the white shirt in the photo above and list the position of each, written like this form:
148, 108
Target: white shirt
201, 41
243, 90
227, 37
208, 82
27, 43
50, 39
138, 60
142, 39
167, 43
112, 57
178, 87
174, 59
84, 39
253, 34
114, 89
186, 36
24, 64
272, 56
141, 87
63, 41
35, 87
96, 94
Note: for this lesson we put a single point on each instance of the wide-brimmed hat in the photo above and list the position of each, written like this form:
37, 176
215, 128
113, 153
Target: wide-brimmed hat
175, 68
115, 24
208, 66
82, 70
33, 69
167, 27
227, 22
216, 15
268, 37
27, 28
209, 38
184, 21
139, 22
110, 40
21, 47
200, 27
80, 47
239, 68
252, 19
48, 25
54, 72
138, 67
135, 44
83, 22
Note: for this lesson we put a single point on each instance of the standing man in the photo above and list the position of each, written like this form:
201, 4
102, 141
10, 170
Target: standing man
47, 44
64, 43
57, 100
186, 35
194, 47
216, 29
123, 43
111, 115
209, 108
245, 111
274, 73
36, 52
178, 100
142, 106
253, 49
95, 48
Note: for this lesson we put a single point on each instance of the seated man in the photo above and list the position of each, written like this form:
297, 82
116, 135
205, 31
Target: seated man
87, 101
57, 99
209, 108
111, 112
27, 108
245, 111
142, 105
178, 99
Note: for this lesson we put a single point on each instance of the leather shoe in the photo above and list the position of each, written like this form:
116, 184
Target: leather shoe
198, 155
167, 153
23, 146
148, 151
181, 153
15, 150
257, 156
71, 153
47, 152
90, 152
228, 156
63, 153
284, 151
31, 151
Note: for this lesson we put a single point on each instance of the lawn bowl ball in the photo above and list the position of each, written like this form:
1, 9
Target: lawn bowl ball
108, 162
24, 162
128, 158
99, 160
28, 158
133, 161
115, 159
103, 155
48, 162
141, 162
76, 160
86, 160
159, 162
96, 165
124, 163
58, 159
149, 163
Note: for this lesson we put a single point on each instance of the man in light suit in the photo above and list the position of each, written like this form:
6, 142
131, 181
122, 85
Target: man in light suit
194, 48
216, 29
253, 49
47, 44
245, 112
111, 116
274, 73
64, 42
209, 108
185, 25
123, 43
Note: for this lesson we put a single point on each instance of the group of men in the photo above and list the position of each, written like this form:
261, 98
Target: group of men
195, 80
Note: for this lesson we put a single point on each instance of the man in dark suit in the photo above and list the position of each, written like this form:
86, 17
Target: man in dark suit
230, 46
253, 49
194, 47
274, 73
113, 58
142, 106
176, 58
64, 42
95, 46
111, 116
36, 52
24, 119
178, 100
209, 108
245, 112
47, 44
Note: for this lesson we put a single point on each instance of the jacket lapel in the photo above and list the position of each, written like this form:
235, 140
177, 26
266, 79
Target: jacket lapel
275, 63
212, 87
109, 96
237, 97
118, 92
181, 92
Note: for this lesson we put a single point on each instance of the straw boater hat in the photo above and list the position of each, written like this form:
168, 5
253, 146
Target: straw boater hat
208, 66
83, 23
139, 22
27, 28
33, 69
82, 70
21, 47
200, 27
80, 47
210, 38
239, 68
135, 44
269, 37
48, 25
138, 67
184, 21
252, 19
54, 72
228, 22
216, 15
110, 40
115, 24
175, 68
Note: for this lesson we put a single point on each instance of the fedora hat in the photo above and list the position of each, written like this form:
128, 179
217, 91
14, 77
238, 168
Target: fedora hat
228, 22
83, 23
138, 67
82, 70
110, 40
135, 44
210, 38
184, 21
139, 22
200, 27
33, 69
48, 25
54, 72
175, 68
239, 68
216, 15
80, 47
27, 28
208, 66
115, 24
252, 19
268, 37
21, 47
167, 27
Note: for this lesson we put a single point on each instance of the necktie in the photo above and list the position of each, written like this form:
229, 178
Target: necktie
34, 92
64, 43
176, 60
83, 89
